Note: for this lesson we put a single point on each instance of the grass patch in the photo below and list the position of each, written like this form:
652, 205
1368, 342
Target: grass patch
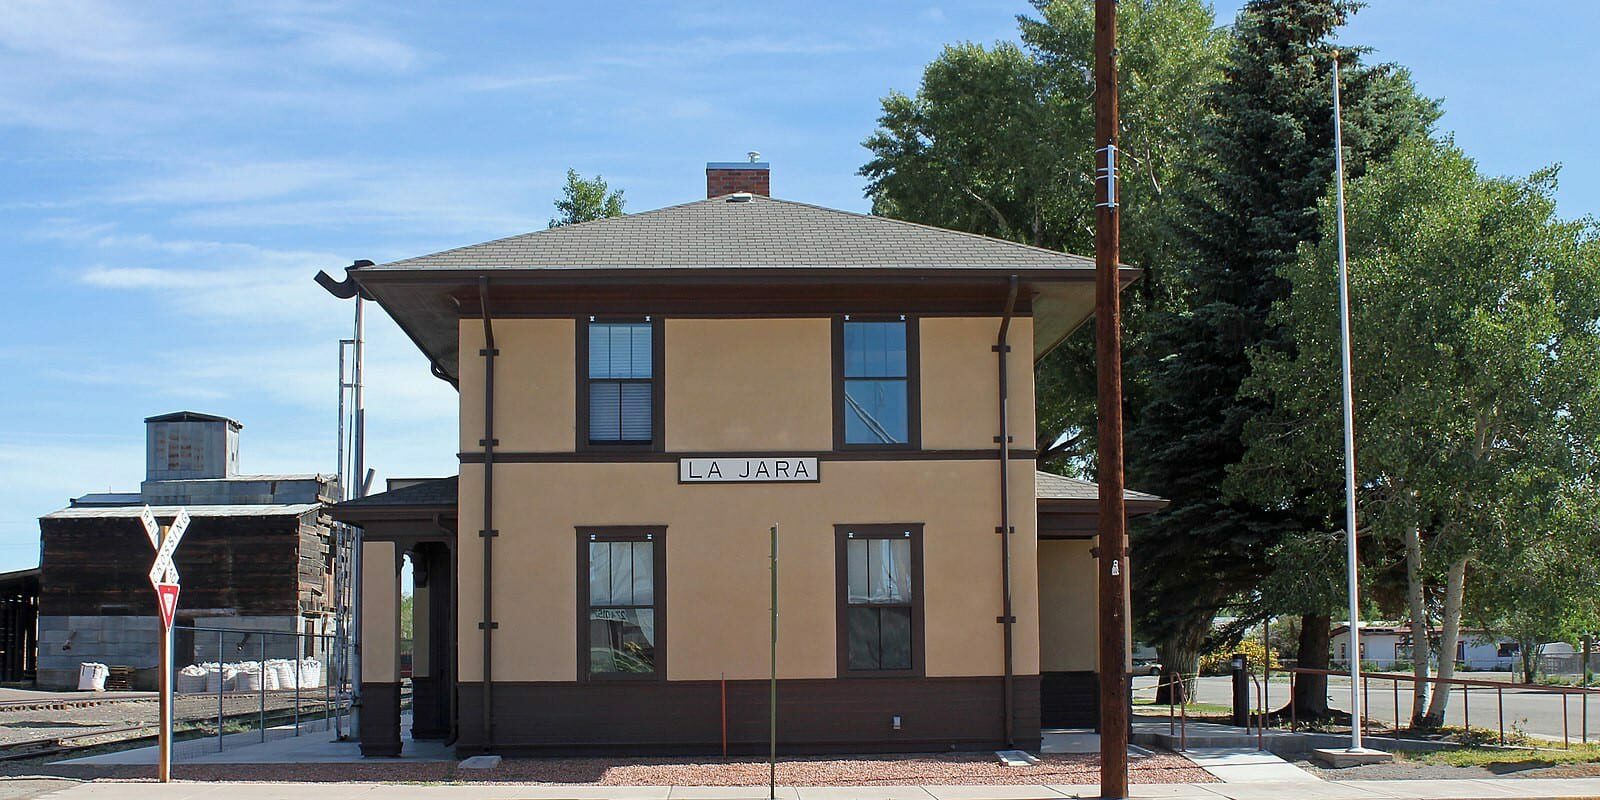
1523, 752
1194, 709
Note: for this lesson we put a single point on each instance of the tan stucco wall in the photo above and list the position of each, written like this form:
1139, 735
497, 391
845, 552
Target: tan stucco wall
717, 563
1068, 596
748, 384
380, 613
534, 382
745, 384
960, 398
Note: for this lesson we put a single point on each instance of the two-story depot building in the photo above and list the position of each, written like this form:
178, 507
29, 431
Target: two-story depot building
643, 397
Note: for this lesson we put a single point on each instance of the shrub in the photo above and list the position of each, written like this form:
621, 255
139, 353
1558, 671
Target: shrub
1217, 661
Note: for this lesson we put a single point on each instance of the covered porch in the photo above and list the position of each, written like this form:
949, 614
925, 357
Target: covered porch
414, 520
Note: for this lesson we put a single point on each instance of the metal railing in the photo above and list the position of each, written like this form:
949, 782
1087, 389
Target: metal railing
1500, 688
240, 686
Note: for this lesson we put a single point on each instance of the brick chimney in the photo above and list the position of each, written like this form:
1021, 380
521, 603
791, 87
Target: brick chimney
726, 177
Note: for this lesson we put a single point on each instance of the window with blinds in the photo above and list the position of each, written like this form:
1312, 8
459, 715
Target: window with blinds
621, 383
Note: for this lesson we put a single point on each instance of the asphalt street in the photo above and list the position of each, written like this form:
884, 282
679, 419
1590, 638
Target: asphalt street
1538, 714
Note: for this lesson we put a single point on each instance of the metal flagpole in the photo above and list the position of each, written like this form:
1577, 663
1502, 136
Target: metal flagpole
1349, 426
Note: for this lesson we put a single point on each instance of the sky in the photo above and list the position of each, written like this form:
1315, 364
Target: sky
173, 174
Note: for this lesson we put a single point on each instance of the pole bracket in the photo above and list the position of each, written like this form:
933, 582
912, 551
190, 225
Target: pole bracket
1005, 529
488, 626
488, 442
1001, 348
489, 533
1003, 620
489, 351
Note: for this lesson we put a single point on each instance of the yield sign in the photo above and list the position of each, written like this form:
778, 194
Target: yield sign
167, 593
163, 570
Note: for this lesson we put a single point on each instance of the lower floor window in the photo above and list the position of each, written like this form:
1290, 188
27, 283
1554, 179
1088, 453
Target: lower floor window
621, 573
880, 603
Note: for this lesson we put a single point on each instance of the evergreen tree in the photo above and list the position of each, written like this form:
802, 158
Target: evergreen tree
1266, 160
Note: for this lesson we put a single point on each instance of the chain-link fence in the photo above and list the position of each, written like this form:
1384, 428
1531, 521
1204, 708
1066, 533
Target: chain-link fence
234, 687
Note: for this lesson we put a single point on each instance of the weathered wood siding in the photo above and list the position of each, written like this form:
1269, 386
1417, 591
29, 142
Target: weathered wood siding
243, 566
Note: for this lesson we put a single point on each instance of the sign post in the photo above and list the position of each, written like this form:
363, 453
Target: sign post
164, 579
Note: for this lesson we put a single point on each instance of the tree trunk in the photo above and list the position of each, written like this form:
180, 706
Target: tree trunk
1180, 660
1449, 634
1420, 643
1311, 691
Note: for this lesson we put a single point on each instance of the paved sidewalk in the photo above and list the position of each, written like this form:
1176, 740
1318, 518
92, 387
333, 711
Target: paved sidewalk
1247, 765
1494, 789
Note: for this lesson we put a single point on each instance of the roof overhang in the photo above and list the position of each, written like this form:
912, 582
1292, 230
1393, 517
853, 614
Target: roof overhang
429, 304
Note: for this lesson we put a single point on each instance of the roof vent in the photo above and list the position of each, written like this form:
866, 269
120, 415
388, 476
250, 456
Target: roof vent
740, 197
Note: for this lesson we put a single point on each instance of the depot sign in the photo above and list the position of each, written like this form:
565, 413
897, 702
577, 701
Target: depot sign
768, 469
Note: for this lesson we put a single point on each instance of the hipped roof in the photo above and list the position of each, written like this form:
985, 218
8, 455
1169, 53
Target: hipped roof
729, 239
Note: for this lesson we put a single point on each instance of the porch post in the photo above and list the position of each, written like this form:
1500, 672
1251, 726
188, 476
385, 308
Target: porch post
380, 663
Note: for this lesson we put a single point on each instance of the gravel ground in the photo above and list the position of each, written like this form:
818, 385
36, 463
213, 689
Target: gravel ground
23, 725
941, 768
1412, 770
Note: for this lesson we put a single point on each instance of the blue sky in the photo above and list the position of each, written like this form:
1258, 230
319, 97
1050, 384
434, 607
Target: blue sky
172, 174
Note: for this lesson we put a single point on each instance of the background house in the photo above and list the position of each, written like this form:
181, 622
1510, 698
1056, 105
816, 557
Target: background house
1387, 644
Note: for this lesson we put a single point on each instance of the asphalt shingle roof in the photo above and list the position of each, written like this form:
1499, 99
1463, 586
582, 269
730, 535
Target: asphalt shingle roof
432, 492
758, 232
1050, 486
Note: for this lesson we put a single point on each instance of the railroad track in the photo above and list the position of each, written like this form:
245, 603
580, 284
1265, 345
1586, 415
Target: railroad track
62, 704
59, 745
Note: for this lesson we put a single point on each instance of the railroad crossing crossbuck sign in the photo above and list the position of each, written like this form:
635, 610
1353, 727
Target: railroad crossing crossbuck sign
163, 573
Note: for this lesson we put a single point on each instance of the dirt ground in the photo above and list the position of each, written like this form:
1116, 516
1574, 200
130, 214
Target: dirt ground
940, 768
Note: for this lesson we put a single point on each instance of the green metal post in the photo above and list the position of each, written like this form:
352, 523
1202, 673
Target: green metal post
772, 699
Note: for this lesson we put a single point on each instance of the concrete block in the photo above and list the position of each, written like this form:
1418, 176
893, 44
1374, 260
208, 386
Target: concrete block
479, 762
1341, 757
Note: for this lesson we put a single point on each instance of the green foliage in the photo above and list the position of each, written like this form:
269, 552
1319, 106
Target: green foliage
1266, 160
407, 612
586, 200
999, 141
1216, 662
1477, 376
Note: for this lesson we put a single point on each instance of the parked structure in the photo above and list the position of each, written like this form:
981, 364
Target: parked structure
643, 397
1385, 645
256, 555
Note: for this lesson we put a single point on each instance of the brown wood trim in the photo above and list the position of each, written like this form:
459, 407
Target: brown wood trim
1069, 699
913, 384
380, 719
657, 536
842, 536
815, 715
504, 457
658, 381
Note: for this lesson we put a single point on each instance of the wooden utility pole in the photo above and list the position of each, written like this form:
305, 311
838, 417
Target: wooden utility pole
1108, 356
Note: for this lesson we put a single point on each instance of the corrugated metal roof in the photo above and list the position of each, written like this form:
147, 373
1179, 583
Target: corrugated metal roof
755, 233
278, 510
1050, 486
192, 416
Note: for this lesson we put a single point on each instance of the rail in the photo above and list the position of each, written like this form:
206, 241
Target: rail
1467, 684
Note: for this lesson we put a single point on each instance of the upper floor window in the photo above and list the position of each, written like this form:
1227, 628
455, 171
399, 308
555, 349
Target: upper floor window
620, 383
876, 395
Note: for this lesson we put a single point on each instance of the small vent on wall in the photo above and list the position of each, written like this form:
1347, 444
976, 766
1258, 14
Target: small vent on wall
740, 197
